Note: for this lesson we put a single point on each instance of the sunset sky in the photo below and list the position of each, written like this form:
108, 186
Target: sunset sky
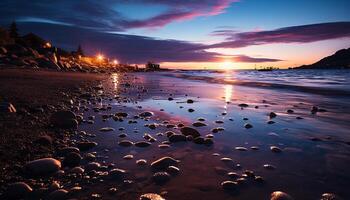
212, 34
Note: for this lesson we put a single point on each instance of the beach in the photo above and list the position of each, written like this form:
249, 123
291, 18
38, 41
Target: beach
256, 137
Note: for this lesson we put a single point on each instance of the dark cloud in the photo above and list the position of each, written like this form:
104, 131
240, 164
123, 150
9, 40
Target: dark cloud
293, 34
128, 48
100, 15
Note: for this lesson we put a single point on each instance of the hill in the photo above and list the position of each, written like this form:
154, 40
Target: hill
339, 60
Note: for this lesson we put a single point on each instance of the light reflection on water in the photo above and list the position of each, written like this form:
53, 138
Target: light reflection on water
115, 81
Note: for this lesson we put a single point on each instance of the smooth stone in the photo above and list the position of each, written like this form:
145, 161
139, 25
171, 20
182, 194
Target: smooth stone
45, 140
117, 173
106, 129
169, 133
151, 196
146, 114
190, 110
275, 149
142, 144
243, 105
72, 159
43, 166
92, 166
163, 146
173, 170
60, 194
198, 140
199, 124
278, 195
121, 114
254, 147
66, 150
64, 119
248, 126
201, 119
290, 111
19, 190
126, 143
225, 159
190, 131
232, 175
241, 149
208, 141
177, 138
163, 163
128, 157
161, 177
189, 101
141, 162
84, 146
77, 170
229, 185
272, 115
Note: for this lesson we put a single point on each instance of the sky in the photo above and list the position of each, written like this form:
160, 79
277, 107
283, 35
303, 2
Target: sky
190, 34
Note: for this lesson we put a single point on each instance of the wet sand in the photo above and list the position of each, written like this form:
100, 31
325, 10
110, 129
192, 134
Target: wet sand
314, 157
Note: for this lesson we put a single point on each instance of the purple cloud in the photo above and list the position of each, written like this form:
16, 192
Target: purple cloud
128, 48
293, 34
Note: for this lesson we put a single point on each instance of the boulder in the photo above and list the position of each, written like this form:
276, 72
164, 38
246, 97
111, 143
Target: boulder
43, 166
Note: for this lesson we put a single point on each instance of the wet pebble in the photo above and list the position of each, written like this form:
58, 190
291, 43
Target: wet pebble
161, 177
163, 163
199, 124
126, 143
106, 129
229, 185
268, 166
173, 170
64, 119
151, 196
72, 159
117, 174
190, 131
141, 162
58, 195
128, 157
86, 145
177, 138
279, 195
241, 149
43, 166
248, 126
142, 144
275, 149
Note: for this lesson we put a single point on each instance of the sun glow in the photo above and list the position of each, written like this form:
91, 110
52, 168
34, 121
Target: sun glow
227, 65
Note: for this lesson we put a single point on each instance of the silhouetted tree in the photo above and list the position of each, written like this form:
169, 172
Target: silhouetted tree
80, 51
13, 30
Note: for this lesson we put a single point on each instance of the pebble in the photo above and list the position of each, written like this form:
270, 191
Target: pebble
72, 159
142, 144
66, 150
229, 185
151, 196
128, 157
161, 177
173, 170
117, 174
126, 143
92, 166
177, 138
272, 115
225, 159
86, 145
199, 124
275, 149
43, 166
19, 190
243, 105
146, 114
241, 149
232, 175
190, 101
329, 196
190, 131
248, 126
106, 129
163, 163
64, 119
58, 195
164, 146
141, 162
77, 170
278, 195
190, 110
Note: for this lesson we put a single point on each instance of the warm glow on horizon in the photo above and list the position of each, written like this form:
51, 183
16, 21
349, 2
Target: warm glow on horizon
100, 57
227, 65
115, 62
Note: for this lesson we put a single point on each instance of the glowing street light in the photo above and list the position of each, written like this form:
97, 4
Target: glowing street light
100, 57
115, 61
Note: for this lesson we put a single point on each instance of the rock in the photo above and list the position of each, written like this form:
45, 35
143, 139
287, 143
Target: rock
19, 190
77, 170
329, 196
173, 170
190, 131
290, 111
92, 166
248, 126
3, 50
243, 105
225, 159
189, 101
146, 114
64, 119
208, 141
199, 124
161, 177
66, 150
272, 115
128, 157
190, 110
198, 140
142, 144
84, 146
72, 159
60, 194
117, 174
44, 140
141, 162
106, 129
163, 163
121, 114
47, 63
241, 148
177, 138
278, 195
43, 166
275, 149
151, 196
6, 107
232, 175
229, 185
126, 143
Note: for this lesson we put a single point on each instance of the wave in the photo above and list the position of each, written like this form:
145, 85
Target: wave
266, 85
